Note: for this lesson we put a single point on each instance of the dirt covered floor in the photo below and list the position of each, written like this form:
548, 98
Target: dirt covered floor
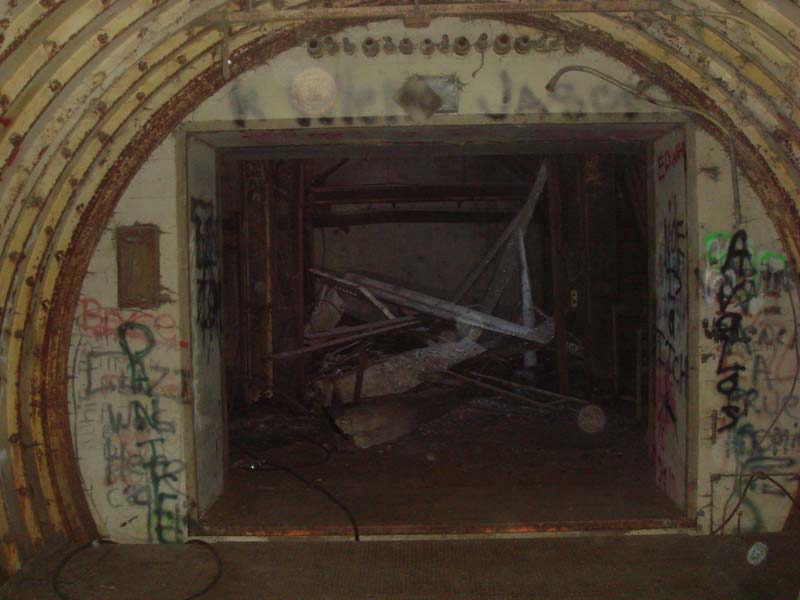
485, 467
674, 567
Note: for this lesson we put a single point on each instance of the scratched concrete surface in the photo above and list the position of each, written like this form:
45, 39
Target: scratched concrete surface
641, 568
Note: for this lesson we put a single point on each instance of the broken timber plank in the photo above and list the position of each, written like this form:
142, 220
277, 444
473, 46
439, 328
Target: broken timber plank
558, 398
327, 312
380, 420
452, 312
398, 373
390, 328
352, 289
354, 329
497, 390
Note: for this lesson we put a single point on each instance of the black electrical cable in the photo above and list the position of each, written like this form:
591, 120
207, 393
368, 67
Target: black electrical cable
56, 581
775, 482
735, 508
753, 476
319, 463
217, 575
261, 462
65, 561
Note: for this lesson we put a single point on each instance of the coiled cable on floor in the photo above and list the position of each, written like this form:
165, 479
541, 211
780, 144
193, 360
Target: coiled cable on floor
753, 476
67, 558
262, 464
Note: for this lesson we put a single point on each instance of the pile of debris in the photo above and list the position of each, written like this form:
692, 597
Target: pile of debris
413, 357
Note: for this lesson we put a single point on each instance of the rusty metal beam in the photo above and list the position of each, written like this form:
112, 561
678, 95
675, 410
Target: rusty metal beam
556, 256
430, 11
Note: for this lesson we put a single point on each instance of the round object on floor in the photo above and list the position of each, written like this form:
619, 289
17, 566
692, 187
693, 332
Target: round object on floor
592, 419
757, 553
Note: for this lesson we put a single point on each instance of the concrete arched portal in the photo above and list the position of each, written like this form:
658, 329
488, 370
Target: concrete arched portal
90, 91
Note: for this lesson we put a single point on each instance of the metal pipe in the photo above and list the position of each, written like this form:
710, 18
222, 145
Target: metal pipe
550, 86
270, 15
449, 311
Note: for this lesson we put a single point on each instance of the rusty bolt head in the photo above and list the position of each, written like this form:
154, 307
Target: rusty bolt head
66, 152
461, 46
140, 96
331, 46
45, 305
15, 438
314, 47
54, 85
51, 47
427, 47
74, 181
48, 230
19, 334
348, 46
572, 44
502, 43
16, 256
59, 255
143, 65
15, 139
102, 38
103, 137
101, 107
406, 46
79, 208
370, 47
35, 201
522, 45
30, 281
182, 60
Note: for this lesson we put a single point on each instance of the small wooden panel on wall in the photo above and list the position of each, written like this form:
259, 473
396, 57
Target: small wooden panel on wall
138, 266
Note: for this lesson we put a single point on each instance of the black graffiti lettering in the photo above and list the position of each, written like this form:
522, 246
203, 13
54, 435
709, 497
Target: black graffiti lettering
735, 291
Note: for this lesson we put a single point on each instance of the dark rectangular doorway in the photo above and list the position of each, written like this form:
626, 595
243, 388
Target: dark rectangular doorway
351, 396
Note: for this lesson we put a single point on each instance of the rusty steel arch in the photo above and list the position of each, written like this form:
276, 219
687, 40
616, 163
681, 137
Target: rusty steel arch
90, 89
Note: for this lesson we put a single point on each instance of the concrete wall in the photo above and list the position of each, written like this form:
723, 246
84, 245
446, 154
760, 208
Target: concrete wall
205, 246
747, 350
122, 466
670, 398
127, 387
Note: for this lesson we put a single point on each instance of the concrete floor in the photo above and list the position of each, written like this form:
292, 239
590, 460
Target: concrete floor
638, 568
487, 466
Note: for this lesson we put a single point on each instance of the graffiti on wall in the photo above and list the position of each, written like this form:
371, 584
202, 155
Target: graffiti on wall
121, 397
671, 366
748, 288
204, 233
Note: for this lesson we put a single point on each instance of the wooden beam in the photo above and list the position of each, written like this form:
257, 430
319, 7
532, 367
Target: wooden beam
374, 217
353, 329
585, 202
556, 254
291, 354
372, 194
